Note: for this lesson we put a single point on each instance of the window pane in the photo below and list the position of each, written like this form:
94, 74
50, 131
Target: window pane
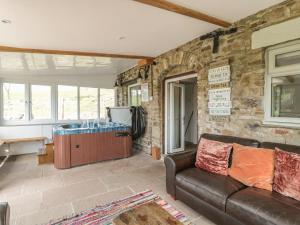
88, 103
36, 61
13, 101
287, 59
11, 61
63, 61
84, 61
135, 96
41, 102
286, 96
67, 102
107, 99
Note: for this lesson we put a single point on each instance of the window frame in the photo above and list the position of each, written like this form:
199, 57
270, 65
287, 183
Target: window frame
78, 105
129, 93
53, 108
54, 103
273, 72
98, 102
26, 117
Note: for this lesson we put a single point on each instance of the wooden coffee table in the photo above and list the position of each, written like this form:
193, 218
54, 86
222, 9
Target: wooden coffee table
148, 214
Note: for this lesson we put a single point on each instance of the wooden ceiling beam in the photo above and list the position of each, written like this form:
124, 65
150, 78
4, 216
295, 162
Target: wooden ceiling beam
145, 62
77, 53
166, 5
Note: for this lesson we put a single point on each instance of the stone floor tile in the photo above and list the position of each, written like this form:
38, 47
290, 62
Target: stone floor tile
25, 204
79, 176
157, 186
116, 181
69, 193
45, 215
42, 184
10, 188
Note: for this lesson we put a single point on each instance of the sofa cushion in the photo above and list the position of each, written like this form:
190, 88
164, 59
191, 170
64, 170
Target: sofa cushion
211, 188
254, 206
213, 156
253, 166
287, 174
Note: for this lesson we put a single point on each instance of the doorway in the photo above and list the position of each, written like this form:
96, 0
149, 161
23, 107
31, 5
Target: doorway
181, 114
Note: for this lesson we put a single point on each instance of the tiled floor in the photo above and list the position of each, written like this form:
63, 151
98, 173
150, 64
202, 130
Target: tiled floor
37, 194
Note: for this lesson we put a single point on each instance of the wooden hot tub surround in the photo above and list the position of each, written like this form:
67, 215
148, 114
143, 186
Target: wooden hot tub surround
91, 145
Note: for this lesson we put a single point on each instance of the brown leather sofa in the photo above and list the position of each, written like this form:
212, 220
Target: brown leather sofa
224, 200
4, 213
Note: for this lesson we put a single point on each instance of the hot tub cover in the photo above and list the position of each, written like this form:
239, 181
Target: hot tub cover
76, 128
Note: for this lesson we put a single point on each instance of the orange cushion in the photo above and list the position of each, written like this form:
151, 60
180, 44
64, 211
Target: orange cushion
253, 166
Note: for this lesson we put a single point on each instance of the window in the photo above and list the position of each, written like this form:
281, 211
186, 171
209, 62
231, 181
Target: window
67, 102
283, 84
285, 92
88, 103
107, 99
134, 95
14, 101
25, 103
41, 102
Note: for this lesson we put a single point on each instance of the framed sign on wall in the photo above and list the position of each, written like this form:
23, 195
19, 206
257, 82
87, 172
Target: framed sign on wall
219, 75
219, 99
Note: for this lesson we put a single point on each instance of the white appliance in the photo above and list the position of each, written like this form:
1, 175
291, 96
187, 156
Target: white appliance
121, 115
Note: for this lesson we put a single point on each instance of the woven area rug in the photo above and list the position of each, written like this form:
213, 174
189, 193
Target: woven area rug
104, 214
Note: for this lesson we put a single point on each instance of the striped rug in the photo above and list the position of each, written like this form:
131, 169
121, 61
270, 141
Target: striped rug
104, 214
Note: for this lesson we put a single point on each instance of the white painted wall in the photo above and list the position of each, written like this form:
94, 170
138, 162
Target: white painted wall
7, 132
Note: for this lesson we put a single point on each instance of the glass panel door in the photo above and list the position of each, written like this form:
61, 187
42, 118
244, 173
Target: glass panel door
176, 131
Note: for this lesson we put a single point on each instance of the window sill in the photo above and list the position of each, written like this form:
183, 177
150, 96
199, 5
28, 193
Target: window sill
273, 124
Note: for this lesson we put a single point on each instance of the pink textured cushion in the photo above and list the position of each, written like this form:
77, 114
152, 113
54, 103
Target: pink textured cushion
213, 156
287, 174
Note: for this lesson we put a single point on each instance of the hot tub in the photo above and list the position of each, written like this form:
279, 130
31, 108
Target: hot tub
79, 144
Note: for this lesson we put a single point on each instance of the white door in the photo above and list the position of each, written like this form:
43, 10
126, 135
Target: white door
176, 119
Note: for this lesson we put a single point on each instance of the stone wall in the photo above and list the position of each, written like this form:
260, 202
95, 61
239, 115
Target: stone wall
247, 81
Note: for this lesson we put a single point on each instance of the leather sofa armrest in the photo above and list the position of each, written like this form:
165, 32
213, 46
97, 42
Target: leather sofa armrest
4, 213
176, 163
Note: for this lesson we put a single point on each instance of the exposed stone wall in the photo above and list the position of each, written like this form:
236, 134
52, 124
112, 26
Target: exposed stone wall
248, 73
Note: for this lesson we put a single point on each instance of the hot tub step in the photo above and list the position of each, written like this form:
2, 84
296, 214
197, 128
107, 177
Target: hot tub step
46, 155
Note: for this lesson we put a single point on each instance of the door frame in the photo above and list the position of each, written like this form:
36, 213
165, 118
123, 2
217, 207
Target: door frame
166, 82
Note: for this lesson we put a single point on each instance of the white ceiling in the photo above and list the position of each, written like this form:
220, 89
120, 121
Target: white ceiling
230, 10
97, 25
41, 64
